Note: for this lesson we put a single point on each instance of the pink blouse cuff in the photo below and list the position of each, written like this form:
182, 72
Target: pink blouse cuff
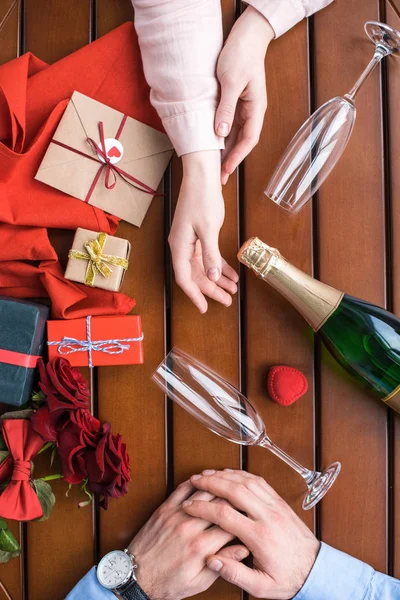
193, 131
281, 14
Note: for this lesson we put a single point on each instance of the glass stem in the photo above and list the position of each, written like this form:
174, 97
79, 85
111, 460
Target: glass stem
308, 476
379, 54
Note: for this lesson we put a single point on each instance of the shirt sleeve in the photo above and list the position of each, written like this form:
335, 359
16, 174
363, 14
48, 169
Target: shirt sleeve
89, 587
336, 576
284, 14
180, 41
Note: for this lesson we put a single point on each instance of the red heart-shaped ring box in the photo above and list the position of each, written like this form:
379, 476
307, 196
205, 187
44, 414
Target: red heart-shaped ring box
286, 384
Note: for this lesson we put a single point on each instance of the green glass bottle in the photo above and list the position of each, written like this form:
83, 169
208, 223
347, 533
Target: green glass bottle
362, 337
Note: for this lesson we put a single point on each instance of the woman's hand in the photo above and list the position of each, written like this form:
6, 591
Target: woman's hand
199, 268
241, 74
172, 548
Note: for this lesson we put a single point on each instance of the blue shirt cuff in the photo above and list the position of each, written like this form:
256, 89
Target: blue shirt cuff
89, 587
336, 576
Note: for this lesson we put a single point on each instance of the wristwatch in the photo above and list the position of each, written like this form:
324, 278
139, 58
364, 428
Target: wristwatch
116, 572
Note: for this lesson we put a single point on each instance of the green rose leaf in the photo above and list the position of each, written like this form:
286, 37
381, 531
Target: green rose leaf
8, 543
5, 557
17, 414
46, 497
3, 455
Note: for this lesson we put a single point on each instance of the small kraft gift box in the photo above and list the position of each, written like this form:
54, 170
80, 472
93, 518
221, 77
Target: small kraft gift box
97, 341
22, 337
106, 159
98, 260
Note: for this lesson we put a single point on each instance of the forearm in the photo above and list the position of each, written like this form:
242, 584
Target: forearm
180, 41
284, 14
336, 576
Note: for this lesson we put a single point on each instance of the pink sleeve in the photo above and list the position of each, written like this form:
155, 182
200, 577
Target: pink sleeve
284, 14
180, 41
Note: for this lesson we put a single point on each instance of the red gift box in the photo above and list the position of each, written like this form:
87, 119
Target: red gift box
97, 341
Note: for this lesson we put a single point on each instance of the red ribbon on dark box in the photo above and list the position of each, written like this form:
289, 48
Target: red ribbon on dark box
107, 164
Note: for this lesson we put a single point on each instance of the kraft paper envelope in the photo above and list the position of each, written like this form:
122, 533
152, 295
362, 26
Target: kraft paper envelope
146, 154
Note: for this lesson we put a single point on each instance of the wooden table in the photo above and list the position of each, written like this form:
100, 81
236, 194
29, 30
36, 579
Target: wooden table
349, 237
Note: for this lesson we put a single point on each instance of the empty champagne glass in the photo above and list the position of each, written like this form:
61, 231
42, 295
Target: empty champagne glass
220, 407
320, 142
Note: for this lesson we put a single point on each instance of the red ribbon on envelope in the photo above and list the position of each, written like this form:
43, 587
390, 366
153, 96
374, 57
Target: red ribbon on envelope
107, 164
19, 500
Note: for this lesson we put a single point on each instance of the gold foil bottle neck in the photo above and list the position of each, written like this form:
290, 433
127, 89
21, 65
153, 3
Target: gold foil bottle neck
257, 255
314, 300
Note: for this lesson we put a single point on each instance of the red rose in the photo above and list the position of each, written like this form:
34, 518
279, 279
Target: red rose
64, 385
79, 432
46, 424
107, 466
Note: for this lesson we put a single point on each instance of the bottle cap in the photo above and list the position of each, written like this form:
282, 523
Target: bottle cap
257, 255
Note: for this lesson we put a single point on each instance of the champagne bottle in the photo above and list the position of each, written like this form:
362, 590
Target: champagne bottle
362, 337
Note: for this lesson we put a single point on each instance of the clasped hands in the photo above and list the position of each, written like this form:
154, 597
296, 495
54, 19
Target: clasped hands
200, 270
186, 545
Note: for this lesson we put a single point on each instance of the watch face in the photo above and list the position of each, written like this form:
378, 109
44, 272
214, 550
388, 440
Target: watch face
114, 569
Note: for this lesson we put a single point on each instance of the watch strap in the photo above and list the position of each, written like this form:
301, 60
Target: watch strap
134, 592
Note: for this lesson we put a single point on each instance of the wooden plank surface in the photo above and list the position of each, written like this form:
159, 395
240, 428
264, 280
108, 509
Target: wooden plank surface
62, 547
393, 89
213, 338
351, 241
346, 229
274, 333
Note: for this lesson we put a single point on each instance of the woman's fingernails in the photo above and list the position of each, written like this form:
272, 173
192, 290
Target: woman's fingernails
189, 503
196, 477
213, 274
223, 129
229, 470
215, 565
241, 554
209, 472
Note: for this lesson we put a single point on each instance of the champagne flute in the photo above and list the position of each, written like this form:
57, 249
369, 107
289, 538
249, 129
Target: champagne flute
320, 142
220, 407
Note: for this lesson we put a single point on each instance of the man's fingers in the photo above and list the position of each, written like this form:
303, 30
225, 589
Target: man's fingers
233, 571
181, 493
223, 515
235, 491
237, 552
227, 106
212, 259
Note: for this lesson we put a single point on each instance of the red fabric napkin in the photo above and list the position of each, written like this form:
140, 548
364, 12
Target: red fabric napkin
33, 97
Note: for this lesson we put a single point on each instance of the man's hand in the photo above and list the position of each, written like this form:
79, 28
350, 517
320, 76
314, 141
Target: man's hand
283, 548
199, 267
172, 549
241, 74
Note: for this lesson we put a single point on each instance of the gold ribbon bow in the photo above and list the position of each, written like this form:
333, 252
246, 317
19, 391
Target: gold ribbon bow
97, 260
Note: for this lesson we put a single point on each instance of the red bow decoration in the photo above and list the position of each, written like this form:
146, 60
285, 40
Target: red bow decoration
19, 500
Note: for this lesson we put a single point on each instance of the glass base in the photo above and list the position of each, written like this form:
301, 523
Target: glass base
386, 38
321, 485
281, 203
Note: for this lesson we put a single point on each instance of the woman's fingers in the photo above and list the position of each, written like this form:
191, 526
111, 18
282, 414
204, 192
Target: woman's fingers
229, 272
227, 285
225, 113
212, 259
183, 277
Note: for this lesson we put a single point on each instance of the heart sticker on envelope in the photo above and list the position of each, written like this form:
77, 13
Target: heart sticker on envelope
114, 150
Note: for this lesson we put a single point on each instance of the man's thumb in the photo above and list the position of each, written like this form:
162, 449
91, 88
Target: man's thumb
232, 571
